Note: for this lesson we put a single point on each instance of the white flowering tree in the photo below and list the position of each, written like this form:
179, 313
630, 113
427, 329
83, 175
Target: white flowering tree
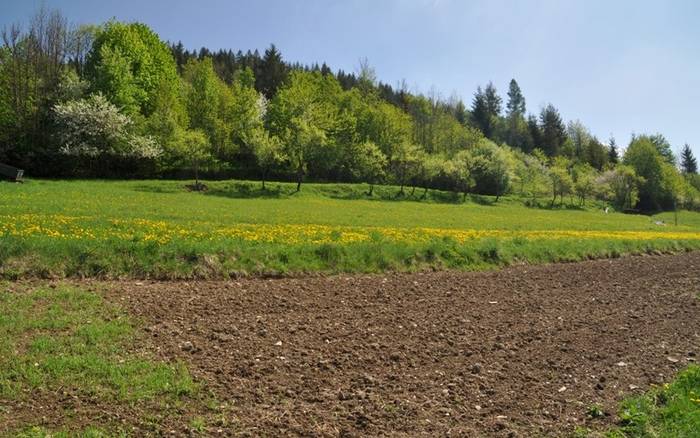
94, 127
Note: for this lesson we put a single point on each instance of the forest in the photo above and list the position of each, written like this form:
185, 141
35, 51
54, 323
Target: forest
114, 100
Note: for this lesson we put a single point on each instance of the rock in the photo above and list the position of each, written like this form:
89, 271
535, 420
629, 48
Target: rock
672, 359
621, 364
278, 343
187, 346
562, 389
476, 368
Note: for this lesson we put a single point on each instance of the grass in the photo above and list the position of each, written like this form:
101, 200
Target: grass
65, 340
159, 229
671, 411
668, 411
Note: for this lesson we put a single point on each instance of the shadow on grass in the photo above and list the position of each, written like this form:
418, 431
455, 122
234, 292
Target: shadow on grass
160, 188
242, 190
277, 190
547, 205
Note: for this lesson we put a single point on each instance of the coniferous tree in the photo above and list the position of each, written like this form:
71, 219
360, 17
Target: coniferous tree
535, 131
516, 100
480, 112
493, 100
689, 164
613, 155
486, 107
517, 134
273, 72
553, 130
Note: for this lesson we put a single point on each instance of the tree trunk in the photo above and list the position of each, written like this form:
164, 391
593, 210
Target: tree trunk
196, 176
425, 193
413, 190
371, 190
300, 176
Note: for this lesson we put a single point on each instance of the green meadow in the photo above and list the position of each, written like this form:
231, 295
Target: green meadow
160, 229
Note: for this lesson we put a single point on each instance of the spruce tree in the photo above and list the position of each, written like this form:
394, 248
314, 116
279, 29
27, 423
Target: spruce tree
516, 100
493, 100
689, 164
480, 112
486, 107
273, 72
553, 130
613, 155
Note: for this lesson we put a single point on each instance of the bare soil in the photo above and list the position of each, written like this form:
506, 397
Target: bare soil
525, 351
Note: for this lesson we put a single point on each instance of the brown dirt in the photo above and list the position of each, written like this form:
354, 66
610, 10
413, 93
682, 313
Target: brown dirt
521, 352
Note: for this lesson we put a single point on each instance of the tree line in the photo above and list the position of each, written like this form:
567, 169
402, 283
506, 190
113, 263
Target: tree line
114, 100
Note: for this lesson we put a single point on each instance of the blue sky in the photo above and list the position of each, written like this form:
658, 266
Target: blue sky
618, 66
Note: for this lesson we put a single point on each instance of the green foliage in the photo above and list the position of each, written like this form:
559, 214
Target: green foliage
130, 65
621, 186
209, 104
489, 167
531, 175
192, 147
585, 186
302, 114
368, 164
268, 151
405, 162
561, 181
643, 156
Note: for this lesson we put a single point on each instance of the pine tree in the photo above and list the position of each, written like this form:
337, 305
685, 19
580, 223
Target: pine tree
613, 155
689, 164
535, 132
486, 107
273, 72
493, 100
480, 112
517, 132
553, 130
516, 100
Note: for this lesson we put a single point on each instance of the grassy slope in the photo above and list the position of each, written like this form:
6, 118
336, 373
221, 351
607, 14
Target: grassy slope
69, 341
230, 203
